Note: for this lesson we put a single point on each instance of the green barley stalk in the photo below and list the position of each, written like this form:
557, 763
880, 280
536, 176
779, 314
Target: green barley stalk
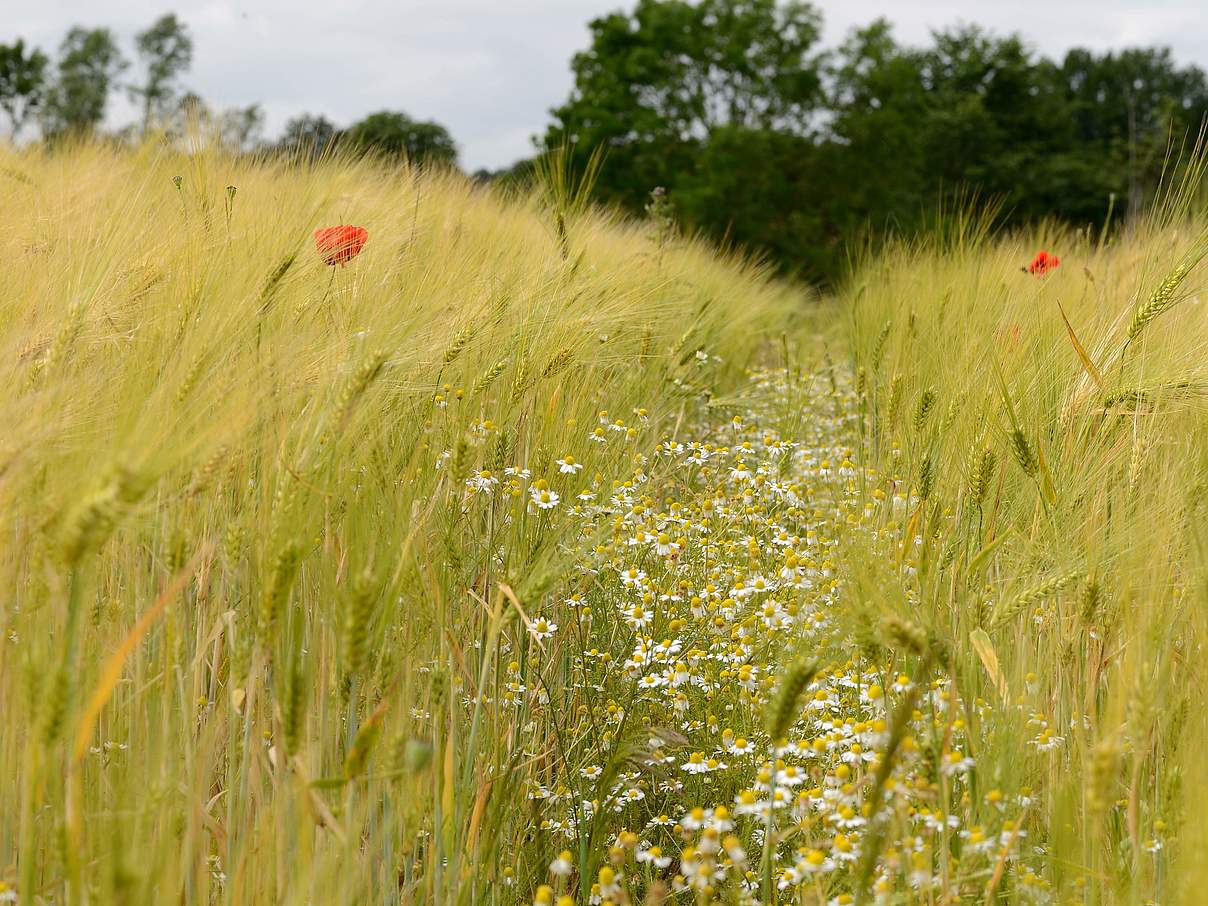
781, 714
895, 399
874, 839
923, 408
906, 635
979, 470
358, 618
926, 477
878, 348
1147, 396
647, 342
1024, 454
1161, 300
783, 710
1005, 612
1090, 600
520, 380
271, 284
276, 591
204, 474
191, 377
1102, 775
502, 451
63, 341
459, 463
954, 407
1136, 462
89, 525
294, 713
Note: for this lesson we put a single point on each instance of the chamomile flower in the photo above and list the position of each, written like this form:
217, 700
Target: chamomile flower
568, 466
542, 497
653, 855
482, 482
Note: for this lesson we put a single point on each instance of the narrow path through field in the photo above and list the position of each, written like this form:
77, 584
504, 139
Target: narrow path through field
724, 564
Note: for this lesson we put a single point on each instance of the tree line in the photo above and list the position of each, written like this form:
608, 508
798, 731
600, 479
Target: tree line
69, 97
761, 137
753, 132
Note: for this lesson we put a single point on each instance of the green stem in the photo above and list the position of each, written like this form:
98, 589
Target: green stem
768, 830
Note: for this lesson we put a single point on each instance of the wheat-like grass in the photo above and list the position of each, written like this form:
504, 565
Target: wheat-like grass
183, 373
367, 656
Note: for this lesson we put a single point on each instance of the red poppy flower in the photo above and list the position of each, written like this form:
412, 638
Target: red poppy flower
340, 244
1042, 263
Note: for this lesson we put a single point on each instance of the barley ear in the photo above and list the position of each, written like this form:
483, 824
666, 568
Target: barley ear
1005, 612
783, 711
1162, 299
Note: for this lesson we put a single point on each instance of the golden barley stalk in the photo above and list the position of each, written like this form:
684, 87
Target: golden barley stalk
558, 362
488, 377
356, 386
460, 340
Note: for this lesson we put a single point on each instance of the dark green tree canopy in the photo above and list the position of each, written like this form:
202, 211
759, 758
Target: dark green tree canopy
89, 64
394, 133
308, 136
761, 140
22, 83
661, 80
166, 50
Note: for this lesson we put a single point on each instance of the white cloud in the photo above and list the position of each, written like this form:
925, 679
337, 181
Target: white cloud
490, 69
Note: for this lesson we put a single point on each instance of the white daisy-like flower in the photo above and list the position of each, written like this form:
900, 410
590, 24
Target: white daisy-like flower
654, 856
482, 482
562, 866
742, 746
955, 763
663, 545
568, 466
633, 576
639, 617
543, 498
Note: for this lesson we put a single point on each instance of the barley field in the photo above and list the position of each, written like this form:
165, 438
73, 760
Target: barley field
532, 555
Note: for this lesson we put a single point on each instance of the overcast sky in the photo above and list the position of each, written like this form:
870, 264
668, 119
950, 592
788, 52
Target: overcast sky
490, 70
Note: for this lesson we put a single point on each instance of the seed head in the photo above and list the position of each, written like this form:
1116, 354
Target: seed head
783, 710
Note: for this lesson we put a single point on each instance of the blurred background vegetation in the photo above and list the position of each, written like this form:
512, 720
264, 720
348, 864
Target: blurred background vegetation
759, 136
